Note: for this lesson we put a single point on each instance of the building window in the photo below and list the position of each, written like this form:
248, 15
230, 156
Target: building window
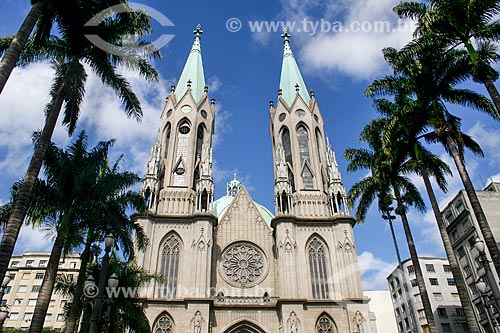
461, 252
22, 289
442, 313
42, 263
32, 302
170, 254
28, 316
318, 269
451, 281
63, 303
421, 313
460, 207
455, 296
447, 268
60, 317
26, 276
480, 308
449, 217
18, 301
467, 271
29, 263
14, 316
466, 224
164, 324
7, 289
446, 328
411, 269
52, 303
303, 140
438, 296
48, 317
414, 282
459, 312
325, 324
35, 289
14, 264
417, 297
473, 289
287, 147
72, 264
434, 282
70, 277
429, 268
39, 276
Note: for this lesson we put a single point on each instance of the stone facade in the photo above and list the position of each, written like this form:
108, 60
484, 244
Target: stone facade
230, 265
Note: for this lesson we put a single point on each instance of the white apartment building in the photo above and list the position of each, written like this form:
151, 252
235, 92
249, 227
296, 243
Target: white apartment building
27, 272
443, 295
463, 230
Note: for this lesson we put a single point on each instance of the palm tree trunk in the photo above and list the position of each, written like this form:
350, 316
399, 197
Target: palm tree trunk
401, 211
493, 92
455, 269
12, 54
23, 197
49, 279
76, 305
476, 205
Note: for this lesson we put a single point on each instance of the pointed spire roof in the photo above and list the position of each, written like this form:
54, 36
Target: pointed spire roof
291, 79
192, 75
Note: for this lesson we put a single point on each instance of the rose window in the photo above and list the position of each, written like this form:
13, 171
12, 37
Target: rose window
243, 264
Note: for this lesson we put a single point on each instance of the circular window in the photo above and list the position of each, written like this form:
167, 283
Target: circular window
282, 116
243, 264
186, 109
169, 113
203, 114
300, 113
184, 129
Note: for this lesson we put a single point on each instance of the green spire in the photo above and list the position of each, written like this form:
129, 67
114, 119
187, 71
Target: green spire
192, 74
291, 79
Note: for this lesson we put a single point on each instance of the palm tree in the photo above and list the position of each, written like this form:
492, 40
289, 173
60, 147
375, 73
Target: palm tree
69, 52
127, 313
68, 199
387, 176
432, 76
404, 131
460, 22
108, 216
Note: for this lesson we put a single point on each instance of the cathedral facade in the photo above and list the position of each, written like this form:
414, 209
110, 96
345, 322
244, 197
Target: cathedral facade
230, 265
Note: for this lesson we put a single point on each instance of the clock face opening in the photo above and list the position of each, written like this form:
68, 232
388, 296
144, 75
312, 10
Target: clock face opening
186, 109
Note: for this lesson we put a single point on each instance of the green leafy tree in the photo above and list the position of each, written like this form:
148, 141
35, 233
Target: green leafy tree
69, 52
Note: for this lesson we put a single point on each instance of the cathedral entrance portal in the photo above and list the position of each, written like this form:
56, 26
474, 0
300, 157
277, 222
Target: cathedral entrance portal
244, 327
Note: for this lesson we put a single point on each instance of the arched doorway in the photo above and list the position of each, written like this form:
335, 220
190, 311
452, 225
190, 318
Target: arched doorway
244, 327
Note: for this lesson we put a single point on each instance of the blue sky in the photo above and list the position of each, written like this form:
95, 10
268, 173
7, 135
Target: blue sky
242, 70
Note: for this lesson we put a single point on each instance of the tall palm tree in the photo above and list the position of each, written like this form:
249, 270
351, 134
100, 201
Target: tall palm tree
432, 75
404, 131
461, 22
69, 52
108, 216
68, 199
387, 176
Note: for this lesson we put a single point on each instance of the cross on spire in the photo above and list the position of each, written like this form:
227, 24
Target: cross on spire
286, 36
198, 32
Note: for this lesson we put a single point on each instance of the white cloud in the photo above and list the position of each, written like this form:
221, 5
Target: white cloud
374, 271
489, 139
214, 84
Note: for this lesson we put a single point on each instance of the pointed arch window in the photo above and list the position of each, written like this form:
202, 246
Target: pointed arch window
325, 324
167, 139
182, 152
199, 147
319, 143
303, 140
164, 324
318, 268
287, 147
169, 257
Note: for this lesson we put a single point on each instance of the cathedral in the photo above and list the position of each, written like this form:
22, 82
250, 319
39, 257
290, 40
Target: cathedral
229, 265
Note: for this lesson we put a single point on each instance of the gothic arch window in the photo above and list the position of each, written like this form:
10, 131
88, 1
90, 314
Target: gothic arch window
166, 140
181, 152
316, 251
199, 139
319, 143
170, 252
325, 324
287, 147
303, 140
164, 324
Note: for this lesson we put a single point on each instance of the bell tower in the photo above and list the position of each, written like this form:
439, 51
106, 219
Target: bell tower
307, 178
179, 177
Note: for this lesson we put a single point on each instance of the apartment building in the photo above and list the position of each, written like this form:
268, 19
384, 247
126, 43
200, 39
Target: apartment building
27, 272
443, 296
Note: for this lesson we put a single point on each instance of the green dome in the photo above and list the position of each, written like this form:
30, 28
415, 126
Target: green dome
220, 205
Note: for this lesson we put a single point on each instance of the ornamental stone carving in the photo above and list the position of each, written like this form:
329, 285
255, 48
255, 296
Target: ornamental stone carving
243, 264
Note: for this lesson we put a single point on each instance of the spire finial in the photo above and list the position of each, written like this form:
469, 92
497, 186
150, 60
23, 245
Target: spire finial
198, 32
297, 88
234, 176
286, 36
